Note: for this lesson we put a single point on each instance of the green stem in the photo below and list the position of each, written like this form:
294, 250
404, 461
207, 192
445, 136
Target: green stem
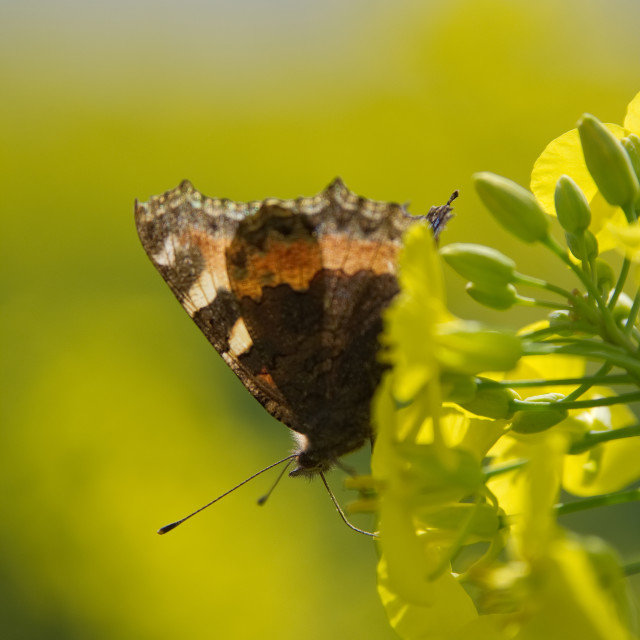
523, 405
613, 332
558, 327
631, 568
459, 540
633, 314
630, 213
587, 343
586, 268
520, 278
620, 497
576, 301
485, 383
622, 278
560, 252
587, 384
589, 350
592, 270
499, 469
535, 302
593, 438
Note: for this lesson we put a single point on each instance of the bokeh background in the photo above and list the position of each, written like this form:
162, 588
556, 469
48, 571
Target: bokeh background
117, 415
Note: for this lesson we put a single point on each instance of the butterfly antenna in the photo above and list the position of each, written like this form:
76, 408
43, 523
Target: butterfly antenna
173, 525
265, 497
341, 512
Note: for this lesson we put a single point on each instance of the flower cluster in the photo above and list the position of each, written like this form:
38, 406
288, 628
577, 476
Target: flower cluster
479, 430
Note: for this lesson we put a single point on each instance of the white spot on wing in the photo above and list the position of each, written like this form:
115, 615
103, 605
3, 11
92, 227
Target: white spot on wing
167, 256
202, 293
239, 341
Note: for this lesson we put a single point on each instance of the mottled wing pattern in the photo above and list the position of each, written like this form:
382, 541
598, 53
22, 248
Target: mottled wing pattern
186, 234
312, 277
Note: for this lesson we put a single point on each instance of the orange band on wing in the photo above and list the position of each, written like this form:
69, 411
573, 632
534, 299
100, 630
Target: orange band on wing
297, 263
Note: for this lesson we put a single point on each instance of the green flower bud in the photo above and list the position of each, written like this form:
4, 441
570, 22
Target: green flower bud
500, 298
631, 145
605, 276
583, 246
560, 317
457, 388
608, 162
529, 421
515, 208
482, 265
467, 347
572, 207
492, 403
622, 309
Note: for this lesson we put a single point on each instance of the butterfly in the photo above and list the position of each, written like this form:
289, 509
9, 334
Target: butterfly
291, 294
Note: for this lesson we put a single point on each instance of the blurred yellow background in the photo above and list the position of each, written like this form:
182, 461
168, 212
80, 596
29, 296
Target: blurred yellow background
117, 415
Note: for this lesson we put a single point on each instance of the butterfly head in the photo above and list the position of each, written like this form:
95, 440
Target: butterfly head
309, 461
309, 466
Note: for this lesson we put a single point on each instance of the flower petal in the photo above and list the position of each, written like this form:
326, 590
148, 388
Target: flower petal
564, 156
632, 119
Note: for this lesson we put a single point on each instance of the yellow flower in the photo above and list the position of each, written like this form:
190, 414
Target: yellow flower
428, 458
434, 500
610, 466
413, 475
552, 585
423, 338
574, 588
563, 156
412, 320
627, 240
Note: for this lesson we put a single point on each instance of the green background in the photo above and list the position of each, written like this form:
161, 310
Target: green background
117, 415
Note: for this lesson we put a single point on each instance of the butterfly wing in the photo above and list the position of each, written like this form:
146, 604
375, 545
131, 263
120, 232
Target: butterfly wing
186, 235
